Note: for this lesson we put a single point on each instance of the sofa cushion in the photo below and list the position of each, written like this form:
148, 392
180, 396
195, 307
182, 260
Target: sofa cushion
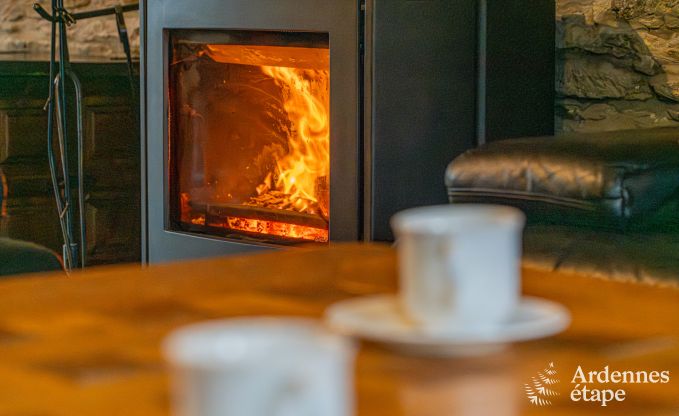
646, 257
611, 179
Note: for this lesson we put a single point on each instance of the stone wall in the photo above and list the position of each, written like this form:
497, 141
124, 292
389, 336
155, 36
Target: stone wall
617, 64
617, 60
22, 30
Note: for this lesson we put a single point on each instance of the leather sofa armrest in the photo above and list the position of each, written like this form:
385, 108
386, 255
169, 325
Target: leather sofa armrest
603, 179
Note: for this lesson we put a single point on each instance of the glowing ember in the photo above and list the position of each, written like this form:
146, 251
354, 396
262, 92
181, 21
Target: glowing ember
199, 220
278, 228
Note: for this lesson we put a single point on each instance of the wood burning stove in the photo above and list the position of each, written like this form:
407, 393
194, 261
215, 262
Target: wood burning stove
276, 122
252, 114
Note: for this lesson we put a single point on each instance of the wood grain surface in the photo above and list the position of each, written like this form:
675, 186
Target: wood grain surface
89, 344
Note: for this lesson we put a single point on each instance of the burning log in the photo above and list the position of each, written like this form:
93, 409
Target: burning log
273, 213
219, 213
282, 201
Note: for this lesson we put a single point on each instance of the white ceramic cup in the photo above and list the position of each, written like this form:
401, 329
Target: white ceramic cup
459, 265
260, 367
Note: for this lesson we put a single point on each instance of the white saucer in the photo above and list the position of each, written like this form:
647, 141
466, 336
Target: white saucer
379, 319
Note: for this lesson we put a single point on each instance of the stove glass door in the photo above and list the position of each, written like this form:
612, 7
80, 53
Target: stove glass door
249, 134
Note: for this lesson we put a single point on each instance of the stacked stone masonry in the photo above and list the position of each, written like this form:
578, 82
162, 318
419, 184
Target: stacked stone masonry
22, 30
617, 64
617, 60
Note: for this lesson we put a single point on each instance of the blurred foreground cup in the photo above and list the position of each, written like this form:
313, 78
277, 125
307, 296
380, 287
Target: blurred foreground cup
459, 265
260, 367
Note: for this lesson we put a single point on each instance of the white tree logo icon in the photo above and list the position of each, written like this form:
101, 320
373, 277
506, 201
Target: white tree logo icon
538, 390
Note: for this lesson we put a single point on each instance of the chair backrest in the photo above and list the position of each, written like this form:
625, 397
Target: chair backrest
18, 257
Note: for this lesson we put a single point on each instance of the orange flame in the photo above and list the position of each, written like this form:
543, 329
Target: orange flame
307, 102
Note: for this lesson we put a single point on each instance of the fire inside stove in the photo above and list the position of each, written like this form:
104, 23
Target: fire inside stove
249, 131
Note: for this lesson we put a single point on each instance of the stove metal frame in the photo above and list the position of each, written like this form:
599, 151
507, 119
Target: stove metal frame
337, 18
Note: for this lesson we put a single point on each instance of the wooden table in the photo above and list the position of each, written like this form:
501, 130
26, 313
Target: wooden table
89, 344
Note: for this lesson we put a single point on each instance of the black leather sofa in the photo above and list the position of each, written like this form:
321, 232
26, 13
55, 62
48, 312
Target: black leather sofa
606, 204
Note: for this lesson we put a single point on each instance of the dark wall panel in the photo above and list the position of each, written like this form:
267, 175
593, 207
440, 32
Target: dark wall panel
520, 68
424, 95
